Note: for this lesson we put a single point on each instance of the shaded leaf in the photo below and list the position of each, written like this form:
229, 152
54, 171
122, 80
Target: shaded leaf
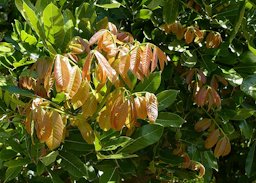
145, 136
250, 164
150, 84
166, 98
49, 158
167, 119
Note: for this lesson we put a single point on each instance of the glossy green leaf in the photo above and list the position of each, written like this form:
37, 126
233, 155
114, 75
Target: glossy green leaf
17, 90
246, 129
75, 166
110, 174
53, 25
60, 97
167, 119
145, 136
250, 164
113, 144
7, 154
150, 84
116, 156
170, 10
144, 14
55, 178
49, 158
12, 173
166, 98
113, 5
17, 162
211, 160
249, 86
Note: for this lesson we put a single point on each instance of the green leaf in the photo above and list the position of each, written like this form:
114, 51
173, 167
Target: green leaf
17, 162
113, 5
75, 166
246, 129
7, 154
53, 25
211, 160
239, 20
17, 90
12, 173
31, 17
110, 174
116, 156
49, 158
54, 176
77, 143
60, 97
249, 86
243, 114
6, 48
166, 98
145, 136
250, 164
167, 119
170, 11
113, 144
150, 84
144, 14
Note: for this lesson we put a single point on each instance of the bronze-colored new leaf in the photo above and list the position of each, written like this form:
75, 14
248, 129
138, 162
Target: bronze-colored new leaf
104, 119
75, 81
62, 71
86, 131
46, 128
221, 147
87, 66
106, 67
146, 59
141, 107
227, 148
119, 113
90, 106
212, 139
55, 138
81, 95
203, 124
152, 107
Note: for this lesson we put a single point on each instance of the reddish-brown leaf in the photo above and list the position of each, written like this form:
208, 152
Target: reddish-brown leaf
203, 124
87, 66
119, 113
81, 96
86, 131
62, 69
46, 128
57, 131
220, 147
104, 119
162, 58
141, 107
135, 60
75, 81
154, 59
97, 36
110, 72
212, 139
152, 107
146, 59
90, 106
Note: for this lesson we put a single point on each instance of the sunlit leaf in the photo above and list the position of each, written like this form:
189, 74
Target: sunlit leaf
75, 81
81, 95
62, 71
152, 107
57, 131
86, 131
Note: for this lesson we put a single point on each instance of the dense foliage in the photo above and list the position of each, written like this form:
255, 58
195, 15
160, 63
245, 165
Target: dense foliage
127, 91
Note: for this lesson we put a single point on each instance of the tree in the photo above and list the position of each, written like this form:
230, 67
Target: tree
140, 91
